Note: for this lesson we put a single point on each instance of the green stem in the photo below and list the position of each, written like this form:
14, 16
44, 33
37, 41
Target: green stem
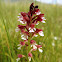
33, 59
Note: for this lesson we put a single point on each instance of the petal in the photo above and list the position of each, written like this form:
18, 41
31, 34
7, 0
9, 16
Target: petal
19, 48
17, 59
40, 50
29, 58
17, 29
34, 47
55, 38
35, 35
20, 19
23, 38
53, 44
41, 33
38, 13
43, 18
19, 14
22, 22
34, 29
31, 30
22, 35
18, 45
43, 21
37, 23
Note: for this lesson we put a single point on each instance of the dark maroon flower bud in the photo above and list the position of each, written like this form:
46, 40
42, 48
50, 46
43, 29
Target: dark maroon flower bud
36, 6
31, 7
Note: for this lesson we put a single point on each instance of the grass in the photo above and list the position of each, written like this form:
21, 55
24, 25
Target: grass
9, 39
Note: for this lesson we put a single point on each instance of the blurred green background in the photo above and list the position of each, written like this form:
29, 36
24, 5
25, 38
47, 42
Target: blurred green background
9, 39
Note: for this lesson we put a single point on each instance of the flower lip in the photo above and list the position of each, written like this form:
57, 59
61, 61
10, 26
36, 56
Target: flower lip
17, 29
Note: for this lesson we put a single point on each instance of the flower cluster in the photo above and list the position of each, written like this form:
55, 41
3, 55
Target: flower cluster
28, 30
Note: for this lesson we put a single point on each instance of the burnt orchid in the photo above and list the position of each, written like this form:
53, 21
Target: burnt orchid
28, 31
